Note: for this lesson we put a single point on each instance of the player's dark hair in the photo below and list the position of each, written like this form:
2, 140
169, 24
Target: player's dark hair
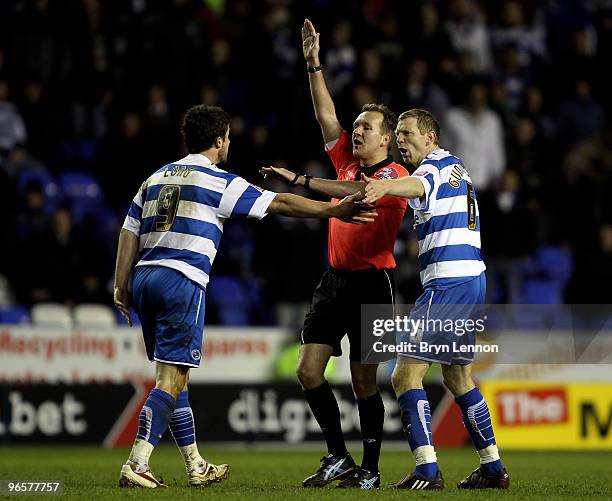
426, 122
202, 125
389, 118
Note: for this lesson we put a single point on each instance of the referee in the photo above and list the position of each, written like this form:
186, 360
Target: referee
361, 259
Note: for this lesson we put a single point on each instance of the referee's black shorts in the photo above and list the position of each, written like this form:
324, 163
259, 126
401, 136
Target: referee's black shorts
336, 307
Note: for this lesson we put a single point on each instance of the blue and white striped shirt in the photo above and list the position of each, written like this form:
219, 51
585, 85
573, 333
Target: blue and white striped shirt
179, 212
447, 222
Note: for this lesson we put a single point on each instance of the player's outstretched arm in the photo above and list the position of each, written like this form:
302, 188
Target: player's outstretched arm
348, 209
405, 187
128, 247
330, 187
325, 111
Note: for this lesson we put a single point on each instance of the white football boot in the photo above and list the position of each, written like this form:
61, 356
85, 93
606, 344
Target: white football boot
138, 475
207, 473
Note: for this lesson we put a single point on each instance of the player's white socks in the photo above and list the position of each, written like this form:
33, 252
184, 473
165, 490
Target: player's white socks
192, 458
489, 454
425, 454
141, 452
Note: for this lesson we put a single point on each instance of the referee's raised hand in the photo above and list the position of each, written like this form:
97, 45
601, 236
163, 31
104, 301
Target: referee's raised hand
310, 41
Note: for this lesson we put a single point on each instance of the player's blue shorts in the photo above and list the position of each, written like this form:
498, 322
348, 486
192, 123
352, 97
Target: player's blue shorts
448, 325
171, 311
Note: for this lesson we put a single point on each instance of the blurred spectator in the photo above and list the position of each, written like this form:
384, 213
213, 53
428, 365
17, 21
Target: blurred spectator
52, 275
504, 215
12, 127
474, 133
19, 160
341, 58
371, 76
430, 42
32, 218
159, 126
584, 289
580, 117
422, 92
562, 19
371, 68
388, 42
126, 157
72, 268
588, 171
515, 31
38, 114
514, 77
527, 155
278, 24
360, 95
582, 57
469, 33
533, 107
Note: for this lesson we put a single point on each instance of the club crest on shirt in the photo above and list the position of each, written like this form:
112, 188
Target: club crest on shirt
196, 355
386, 173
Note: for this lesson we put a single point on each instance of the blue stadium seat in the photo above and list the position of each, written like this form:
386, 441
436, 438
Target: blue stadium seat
107, 223
83, 191
230, 298
46, 180
546, 276
14, 314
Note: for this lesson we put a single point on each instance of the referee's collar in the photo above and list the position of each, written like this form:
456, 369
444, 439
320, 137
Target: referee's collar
369, 171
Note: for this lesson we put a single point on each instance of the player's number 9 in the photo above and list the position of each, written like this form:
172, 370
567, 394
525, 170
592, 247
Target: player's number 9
167, 205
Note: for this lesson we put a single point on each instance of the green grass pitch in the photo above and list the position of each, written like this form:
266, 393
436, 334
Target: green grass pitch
275, 474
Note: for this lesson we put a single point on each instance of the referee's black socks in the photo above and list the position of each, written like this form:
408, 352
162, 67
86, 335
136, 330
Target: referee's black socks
371, 417
325, 409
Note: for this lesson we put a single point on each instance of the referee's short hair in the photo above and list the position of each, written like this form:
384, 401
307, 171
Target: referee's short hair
389, 118
426, 122
202, 125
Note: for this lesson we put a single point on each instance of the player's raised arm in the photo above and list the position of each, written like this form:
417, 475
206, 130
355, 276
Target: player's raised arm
325, 111
405, 187
346, 210
330, 187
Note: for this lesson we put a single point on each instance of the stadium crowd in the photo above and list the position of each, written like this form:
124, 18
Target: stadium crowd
91, 95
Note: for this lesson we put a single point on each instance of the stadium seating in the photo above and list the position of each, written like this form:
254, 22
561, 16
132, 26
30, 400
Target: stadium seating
14, 314
107, 223
46, 180
51, 315
546, 276
231, 300
83, 192
94, 316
